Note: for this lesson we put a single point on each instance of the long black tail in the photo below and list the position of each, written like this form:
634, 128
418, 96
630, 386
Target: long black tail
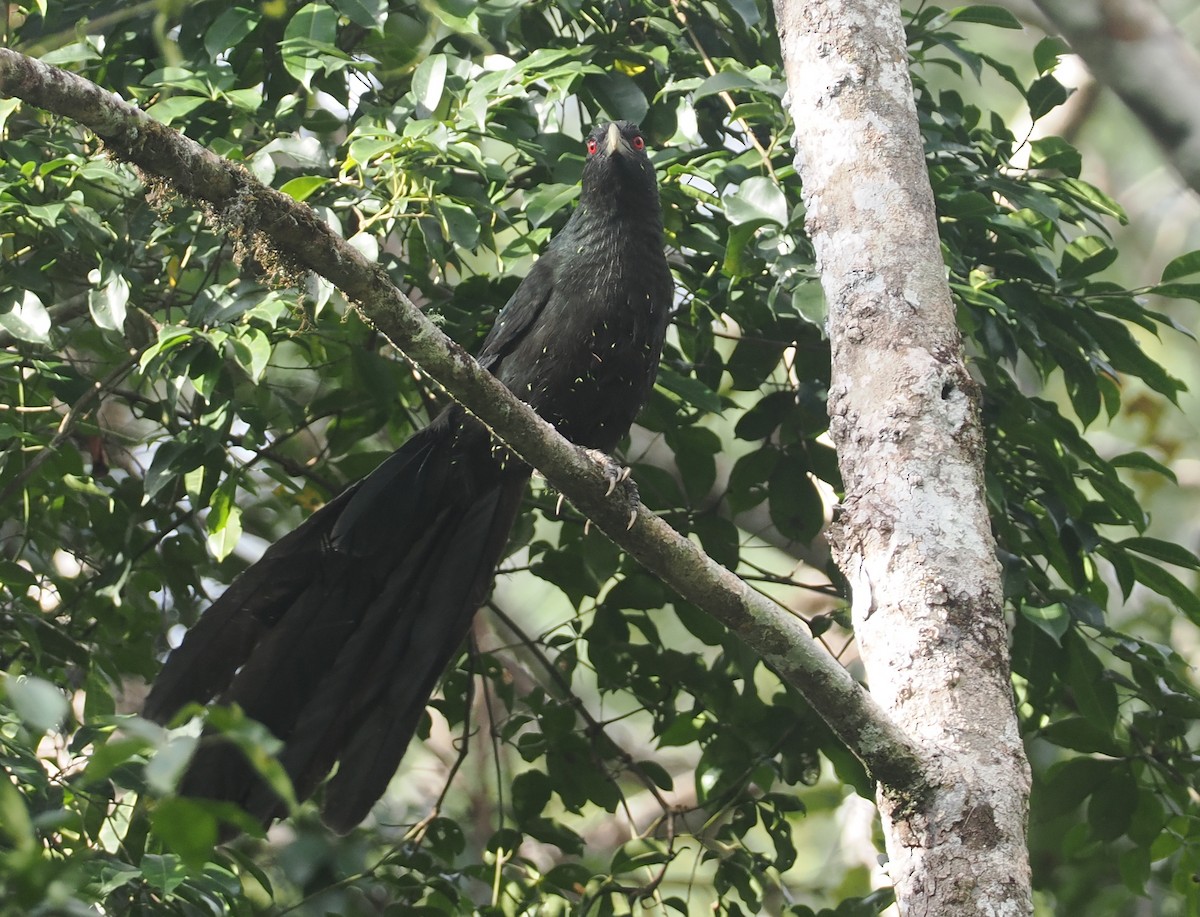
335, 639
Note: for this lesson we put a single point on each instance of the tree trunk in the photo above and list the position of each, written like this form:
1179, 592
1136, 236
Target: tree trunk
913, 535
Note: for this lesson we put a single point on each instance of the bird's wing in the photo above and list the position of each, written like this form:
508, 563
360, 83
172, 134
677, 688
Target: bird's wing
519, 313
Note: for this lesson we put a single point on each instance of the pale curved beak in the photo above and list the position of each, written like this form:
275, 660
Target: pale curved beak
614, 143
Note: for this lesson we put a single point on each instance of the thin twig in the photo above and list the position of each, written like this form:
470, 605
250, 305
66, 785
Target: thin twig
594, 725
723, 94
416, 834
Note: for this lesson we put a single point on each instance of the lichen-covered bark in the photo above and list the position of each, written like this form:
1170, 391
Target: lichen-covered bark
913, 536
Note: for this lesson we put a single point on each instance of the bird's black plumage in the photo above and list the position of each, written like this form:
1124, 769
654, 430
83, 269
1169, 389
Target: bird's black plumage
336, 638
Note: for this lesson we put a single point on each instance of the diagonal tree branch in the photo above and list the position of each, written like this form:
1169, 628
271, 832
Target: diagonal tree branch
290, 239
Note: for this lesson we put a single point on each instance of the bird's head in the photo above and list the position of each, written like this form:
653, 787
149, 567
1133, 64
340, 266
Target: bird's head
617, 165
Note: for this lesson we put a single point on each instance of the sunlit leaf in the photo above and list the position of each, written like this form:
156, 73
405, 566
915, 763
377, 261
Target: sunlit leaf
39, 704
23, 316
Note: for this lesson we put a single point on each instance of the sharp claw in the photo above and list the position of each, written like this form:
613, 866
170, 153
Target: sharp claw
626, 471
587, 526
632, 519
558, 504
612, 485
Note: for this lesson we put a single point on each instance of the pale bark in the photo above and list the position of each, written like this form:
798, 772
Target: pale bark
1132, 47
913, 537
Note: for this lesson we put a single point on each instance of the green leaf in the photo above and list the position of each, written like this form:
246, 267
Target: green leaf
7, 107
23, 316
658, 774
989, 15
1111, 808
638, 853
620, 96
1085, 256
1068, 784
259, 745
1053, 619
737, 263
187, 827
169, 338
165, 873
224, 537
1148, 820
39, 704
720, 539
173, 108
15, 823
695, 449
796, 506
1183, 266
1119, 498
1079, 734
1048, 52
722, 82
171, 459
429, 82
758, 198
16, 577
1045, 93
166, 767
1134, 866
248, 100
1093, 197
315, 22
114, 875
1168, 585
302, 188
462, 224
229, 29
253, 351
531, 792
247, 865
1167, 551
1094, 695
700, 624
1142, 462
308, 34
547, 200
749, 477
367, 13
691, 390
108, 303
1177, 291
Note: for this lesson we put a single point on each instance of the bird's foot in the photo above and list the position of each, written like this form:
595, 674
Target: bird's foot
614, 472
616, 475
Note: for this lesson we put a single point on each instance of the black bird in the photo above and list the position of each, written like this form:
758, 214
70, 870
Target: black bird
337, 636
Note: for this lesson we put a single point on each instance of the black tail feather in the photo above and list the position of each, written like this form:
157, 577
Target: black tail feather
336, 638
226, 634
391, 709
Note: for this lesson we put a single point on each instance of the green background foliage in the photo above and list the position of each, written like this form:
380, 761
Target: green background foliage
600, 747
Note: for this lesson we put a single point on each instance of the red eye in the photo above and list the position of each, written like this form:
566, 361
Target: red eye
592, 146
639, 143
